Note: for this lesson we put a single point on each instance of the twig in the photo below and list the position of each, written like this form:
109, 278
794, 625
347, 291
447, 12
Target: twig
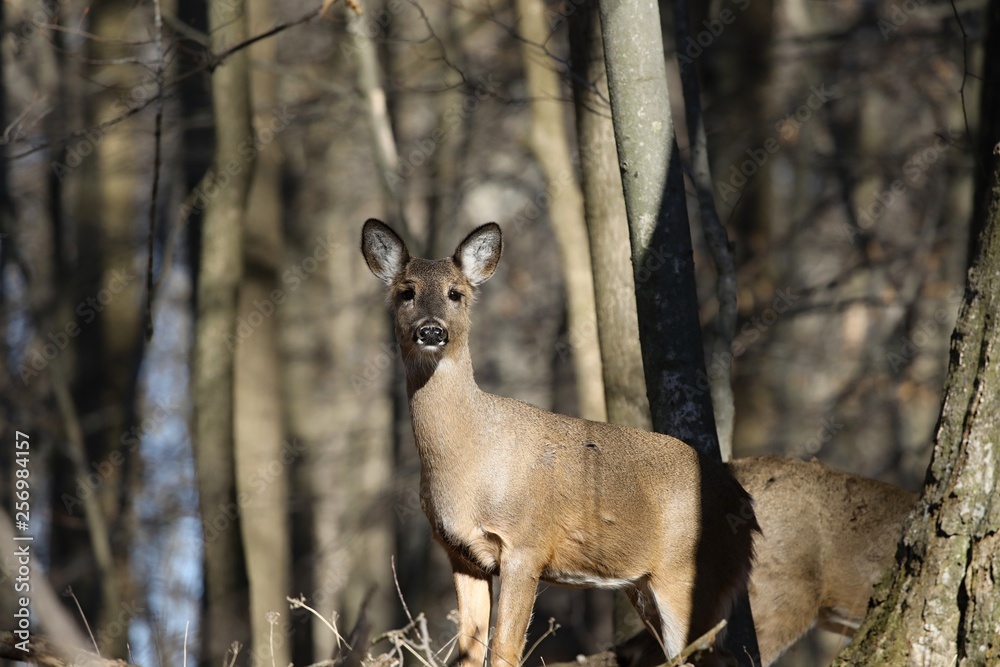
91, 36
389, 635
553, 626
450, 646
235, 648
70, 593
425, 639
405, 644
216, 60
399, 591
965, 66
300, 603
186, 624
97, 527
5, 138
211, 62
157, 148
272, 619
187, 207
699, 644
380, 125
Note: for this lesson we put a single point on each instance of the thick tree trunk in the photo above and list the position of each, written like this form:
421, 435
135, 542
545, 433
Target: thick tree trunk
607, 225
662, 261
225, 610
662, 258
551, 148
940, 606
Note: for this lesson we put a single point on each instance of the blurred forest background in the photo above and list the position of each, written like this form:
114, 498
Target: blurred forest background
838, 135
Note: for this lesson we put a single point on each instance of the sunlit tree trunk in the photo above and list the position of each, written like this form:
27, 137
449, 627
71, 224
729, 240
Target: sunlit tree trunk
607, 225
662, 258
551, 148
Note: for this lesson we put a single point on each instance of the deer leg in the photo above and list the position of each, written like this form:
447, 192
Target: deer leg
672, 599
518, 583
475, 595
662, 627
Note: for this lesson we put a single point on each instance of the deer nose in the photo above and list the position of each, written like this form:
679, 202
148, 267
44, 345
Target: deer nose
432, 334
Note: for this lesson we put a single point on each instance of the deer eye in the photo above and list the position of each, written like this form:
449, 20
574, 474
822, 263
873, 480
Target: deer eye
407, 294
454, 295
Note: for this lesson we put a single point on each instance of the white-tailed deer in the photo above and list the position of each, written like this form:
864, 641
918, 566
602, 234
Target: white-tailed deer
828, 536
515, 491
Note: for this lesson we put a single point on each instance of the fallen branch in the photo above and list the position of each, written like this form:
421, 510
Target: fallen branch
610, 659
43, 651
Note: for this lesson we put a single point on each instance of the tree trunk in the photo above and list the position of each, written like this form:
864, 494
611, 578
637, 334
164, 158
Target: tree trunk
104, 371
717, 240
225, 610
607, 225
262, 456
662, 258
662, 261
940, 606
551, 148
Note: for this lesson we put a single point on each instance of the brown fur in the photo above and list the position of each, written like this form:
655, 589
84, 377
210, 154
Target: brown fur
828, 536
515, 491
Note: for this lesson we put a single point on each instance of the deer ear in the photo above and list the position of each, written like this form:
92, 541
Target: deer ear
384, 251
478, 255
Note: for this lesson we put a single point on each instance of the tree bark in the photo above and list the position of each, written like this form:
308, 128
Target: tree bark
721, 356
607, 226
662, 261
225, 609
662, 258
940, 606
551, 148
262, 456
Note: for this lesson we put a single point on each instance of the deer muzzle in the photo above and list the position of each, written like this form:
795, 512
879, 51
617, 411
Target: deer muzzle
430, 334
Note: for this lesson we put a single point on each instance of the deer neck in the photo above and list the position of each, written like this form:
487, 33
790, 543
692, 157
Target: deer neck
444, 400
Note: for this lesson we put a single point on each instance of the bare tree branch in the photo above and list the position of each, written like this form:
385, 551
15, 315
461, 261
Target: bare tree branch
211, 62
